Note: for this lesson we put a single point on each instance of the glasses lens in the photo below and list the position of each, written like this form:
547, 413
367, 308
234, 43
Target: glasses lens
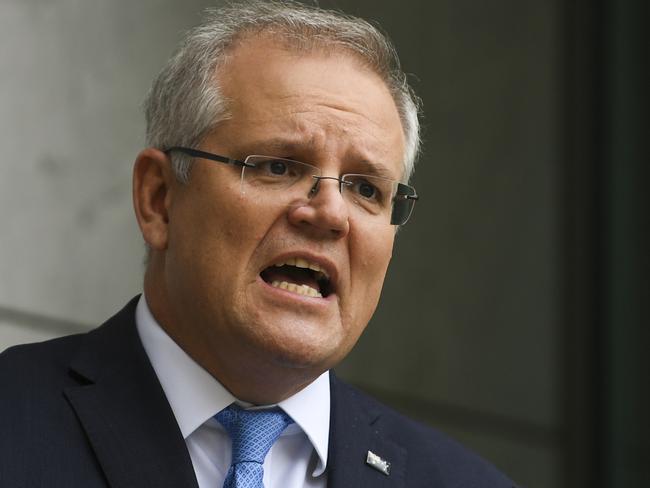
378, 199
276, 173
370, 196
402, 205
278, 181
273, 181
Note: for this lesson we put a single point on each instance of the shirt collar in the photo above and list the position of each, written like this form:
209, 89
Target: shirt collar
195, 396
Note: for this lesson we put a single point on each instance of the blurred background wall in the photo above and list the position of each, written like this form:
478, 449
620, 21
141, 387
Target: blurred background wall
514, 310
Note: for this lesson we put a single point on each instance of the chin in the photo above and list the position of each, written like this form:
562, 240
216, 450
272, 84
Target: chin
296, 340
304, 352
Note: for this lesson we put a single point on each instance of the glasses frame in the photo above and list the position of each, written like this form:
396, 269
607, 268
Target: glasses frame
197, 153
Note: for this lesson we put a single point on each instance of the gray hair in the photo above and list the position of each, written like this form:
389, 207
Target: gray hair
185, 102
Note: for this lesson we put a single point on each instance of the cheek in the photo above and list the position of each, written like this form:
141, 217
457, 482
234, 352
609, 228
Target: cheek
376, 251
210, 220
216, 239
370, 259
201, 233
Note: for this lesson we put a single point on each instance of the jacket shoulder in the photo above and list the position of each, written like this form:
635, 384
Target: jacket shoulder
431, 453
43, 441
38, 363
49, 363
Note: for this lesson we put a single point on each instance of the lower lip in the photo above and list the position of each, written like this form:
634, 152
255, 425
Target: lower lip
288, 295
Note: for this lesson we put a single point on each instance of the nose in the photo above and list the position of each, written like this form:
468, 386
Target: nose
326, 212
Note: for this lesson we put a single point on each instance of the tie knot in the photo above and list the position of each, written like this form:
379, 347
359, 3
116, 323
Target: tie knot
252, 432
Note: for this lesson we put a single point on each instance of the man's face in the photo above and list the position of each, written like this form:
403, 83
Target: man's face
223, 248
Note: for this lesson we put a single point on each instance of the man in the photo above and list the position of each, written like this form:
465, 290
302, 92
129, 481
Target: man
281, 140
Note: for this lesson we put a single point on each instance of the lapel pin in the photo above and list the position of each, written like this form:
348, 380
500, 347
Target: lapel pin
378, 463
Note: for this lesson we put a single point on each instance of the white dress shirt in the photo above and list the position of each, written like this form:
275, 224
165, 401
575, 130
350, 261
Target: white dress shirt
296, 460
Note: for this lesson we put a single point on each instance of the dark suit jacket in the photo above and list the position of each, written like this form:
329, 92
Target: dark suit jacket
88, 411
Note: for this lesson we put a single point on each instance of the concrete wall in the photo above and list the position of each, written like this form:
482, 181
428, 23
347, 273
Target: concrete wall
73, 76
467, 336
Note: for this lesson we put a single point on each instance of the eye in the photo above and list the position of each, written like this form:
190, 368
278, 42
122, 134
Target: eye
278, 168
366, 190
371, 192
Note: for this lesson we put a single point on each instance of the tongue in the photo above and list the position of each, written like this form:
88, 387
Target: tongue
290, 274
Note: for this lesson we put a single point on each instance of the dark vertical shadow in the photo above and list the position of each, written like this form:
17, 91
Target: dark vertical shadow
581, 219
626, 338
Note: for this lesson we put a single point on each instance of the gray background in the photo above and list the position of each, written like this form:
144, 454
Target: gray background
487, 328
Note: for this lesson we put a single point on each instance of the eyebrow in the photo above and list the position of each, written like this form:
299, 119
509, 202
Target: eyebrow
276, 144
375, 169
284, 146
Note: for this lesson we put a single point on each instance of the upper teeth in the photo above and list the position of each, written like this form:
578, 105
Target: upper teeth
303, 263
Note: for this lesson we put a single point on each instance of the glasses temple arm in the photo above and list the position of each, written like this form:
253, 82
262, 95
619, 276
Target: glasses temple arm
197, 153
407, 197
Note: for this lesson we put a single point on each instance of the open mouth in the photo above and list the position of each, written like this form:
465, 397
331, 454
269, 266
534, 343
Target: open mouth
299, 276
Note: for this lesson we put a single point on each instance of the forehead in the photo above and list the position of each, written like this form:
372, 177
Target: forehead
315, 100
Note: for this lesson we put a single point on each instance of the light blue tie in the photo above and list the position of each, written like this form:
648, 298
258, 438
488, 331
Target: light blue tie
253, 432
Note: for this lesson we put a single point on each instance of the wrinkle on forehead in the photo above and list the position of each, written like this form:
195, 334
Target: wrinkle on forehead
326, 103
305, 135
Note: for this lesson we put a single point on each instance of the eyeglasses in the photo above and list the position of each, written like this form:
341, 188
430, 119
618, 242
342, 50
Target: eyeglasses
278, 181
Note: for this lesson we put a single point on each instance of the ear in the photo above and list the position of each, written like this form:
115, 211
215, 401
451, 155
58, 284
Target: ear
153, 180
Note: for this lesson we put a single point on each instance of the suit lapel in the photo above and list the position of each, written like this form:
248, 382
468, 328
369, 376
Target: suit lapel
124, 412
355, 429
